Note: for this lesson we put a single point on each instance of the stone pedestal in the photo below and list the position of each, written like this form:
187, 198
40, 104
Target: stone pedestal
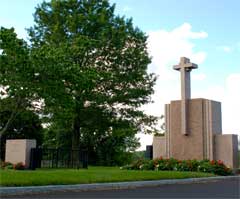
159, 146
194, 127
19, 151
226, 149
204, 121
204, 139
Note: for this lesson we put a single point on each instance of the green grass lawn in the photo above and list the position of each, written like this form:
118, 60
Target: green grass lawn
81, 176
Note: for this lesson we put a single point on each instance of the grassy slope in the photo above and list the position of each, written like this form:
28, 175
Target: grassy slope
92, 175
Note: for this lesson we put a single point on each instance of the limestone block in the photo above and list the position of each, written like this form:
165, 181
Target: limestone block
19, 151
212, 124
204, 121
215, 116
181, 146
226, 149
159, 147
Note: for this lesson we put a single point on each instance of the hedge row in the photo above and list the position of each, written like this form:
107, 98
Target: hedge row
160, 164
9, 165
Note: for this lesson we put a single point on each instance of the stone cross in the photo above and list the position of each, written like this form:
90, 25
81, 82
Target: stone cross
185, 67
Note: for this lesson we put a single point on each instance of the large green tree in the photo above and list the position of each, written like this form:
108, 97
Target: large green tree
18, 114
16, 75
92, 69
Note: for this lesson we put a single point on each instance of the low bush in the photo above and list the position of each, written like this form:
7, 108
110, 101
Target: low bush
9, 165
6, 165
160, 164
19, 166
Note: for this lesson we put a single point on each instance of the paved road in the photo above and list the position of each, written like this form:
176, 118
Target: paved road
218, 189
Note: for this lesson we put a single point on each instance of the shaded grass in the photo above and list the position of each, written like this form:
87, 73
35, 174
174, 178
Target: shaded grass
92, 175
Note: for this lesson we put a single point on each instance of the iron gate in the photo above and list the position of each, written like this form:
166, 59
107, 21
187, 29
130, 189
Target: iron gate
58, 158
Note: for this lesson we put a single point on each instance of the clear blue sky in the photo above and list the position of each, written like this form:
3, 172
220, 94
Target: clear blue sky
211, 34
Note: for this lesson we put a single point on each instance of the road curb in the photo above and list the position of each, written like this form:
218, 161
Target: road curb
7, 191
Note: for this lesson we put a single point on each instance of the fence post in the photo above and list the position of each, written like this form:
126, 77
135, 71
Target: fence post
32, 165
39, 152
85, 159
72, 157
52, 157
57, 157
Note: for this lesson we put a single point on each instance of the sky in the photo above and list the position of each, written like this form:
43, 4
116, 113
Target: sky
206, 31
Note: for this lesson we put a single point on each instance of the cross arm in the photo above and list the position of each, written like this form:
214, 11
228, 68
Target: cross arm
191, 65
176, 67
187, 66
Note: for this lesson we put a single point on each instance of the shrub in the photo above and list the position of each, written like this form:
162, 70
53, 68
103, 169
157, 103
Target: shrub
219, 168
138, 165
216, 167
9, 165
205, 166
184, 165
194, 164
19, 166
148, 165
238, 171
171, 163
6, 165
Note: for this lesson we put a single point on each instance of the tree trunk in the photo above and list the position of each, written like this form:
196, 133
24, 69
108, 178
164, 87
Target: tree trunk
76, 135
15, 111
9, 122
75, 143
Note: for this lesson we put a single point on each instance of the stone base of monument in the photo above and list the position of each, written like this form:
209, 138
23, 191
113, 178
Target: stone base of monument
19, 150
204, 139
226, 149
194, 127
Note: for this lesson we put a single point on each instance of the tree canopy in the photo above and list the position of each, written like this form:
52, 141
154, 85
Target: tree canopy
89, 66
16, 75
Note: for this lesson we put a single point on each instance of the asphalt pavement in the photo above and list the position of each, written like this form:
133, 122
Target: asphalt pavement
228, 188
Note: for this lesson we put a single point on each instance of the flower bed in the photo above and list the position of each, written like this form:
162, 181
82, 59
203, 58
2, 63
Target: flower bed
9, 165
160, 164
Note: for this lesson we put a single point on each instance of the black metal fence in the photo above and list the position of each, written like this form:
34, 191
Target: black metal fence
58, 158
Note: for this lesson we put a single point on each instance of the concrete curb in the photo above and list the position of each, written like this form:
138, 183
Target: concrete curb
7, 191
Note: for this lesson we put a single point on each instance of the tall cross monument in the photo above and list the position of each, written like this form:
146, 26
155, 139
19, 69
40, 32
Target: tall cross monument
199, 118
185, 67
